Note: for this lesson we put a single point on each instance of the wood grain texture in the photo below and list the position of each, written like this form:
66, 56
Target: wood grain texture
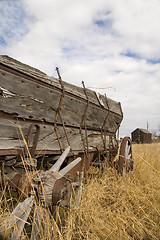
12, 131
30, 94
28, 101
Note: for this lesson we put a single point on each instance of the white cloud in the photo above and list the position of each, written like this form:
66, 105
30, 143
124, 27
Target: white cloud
138, 22
104, 43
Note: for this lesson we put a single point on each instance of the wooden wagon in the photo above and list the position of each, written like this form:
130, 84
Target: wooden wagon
52, 128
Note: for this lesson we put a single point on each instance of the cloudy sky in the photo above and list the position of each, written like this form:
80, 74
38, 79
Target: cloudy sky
112, 45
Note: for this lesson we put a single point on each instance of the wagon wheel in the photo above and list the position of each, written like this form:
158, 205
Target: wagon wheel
50, 187
125, 161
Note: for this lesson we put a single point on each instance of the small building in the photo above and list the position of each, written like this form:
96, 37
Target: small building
141, 135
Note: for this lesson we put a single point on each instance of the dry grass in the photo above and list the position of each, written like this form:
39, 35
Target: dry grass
112, 206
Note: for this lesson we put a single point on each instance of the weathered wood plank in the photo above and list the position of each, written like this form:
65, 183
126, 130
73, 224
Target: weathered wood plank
36, 225
43, 107
29, 89
69, 167
18, 218
47, 140
31, 94
14, 64
57, 165
77, 91
24, 68
25, 107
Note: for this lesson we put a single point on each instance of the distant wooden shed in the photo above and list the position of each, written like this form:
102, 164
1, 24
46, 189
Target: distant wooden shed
141, 135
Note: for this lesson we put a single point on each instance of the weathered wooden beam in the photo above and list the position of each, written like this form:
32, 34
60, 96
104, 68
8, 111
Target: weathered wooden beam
17, 219
61, 159
34, 100
19, 69
69, 167
11, 136
36, 222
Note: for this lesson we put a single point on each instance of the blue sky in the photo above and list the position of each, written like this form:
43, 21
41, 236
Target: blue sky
108, 44
136, 56
12, 24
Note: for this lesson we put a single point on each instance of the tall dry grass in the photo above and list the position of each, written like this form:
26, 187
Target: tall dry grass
121, 207
112, 206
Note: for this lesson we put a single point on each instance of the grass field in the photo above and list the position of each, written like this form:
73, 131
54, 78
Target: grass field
113, 206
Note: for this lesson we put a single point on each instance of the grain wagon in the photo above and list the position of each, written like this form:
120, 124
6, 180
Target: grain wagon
51, 132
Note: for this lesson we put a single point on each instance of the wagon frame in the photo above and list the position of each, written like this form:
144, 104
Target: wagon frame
50, 125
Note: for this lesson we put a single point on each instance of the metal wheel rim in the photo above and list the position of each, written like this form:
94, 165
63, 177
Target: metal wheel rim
125, 162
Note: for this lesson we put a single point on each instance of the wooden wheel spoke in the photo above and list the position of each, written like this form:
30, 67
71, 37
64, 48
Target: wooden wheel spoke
129, 156
125, 162
50, 187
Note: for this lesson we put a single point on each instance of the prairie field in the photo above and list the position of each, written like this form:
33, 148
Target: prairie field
112, 206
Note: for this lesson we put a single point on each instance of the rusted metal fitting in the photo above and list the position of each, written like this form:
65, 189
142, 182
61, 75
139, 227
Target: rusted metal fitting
35, 141
25, 183
14, 182
61, 192
99, 149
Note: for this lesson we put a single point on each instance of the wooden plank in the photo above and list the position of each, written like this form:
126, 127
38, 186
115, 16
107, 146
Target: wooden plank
57, 165
24, 107
69, 167
41, 104
29, 89
18, 218
37, 96
36, 225
24, 68
77, 91
22, 218
33, 72
47, 139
